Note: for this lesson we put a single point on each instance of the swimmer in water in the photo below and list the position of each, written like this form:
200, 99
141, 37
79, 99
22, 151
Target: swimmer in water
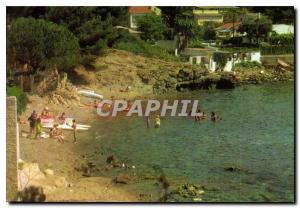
157, 121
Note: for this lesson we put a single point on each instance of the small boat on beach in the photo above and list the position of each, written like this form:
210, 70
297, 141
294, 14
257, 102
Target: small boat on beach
90, 93
66, 127
69, 121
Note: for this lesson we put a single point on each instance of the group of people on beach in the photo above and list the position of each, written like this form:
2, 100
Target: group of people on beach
35, 125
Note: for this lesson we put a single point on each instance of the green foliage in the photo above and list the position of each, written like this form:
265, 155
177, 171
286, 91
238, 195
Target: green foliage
256, 27
152, 27
221, 58
278, 15
267, 49
278, 44
138, 46
93, 26
21, 97
184, 23
196, 43
281, 39
41, 44
238, 41
248, 64
209, 31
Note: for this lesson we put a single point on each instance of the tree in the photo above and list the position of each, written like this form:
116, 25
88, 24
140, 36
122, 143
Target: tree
234, 15
256, 27
93, 26
278, 15
209, 31
41, 44
152, 27
185, 24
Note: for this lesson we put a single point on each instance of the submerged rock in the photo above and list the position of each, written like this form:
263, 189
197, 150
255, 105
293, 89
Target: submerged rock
124, 178
190, 191
233, 168
111, 159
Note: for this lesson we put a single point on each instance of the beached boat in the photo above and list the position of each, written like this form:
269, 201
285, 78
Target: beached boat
66, 127
69, 122
90, 93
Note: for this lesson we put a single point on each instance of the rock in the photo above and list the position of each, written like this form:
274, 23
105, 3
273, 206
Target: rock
20, 164
48, 172
189, 191
111, 159
60, 181
91, 164
232, 168
124, 178
32, 194
225, 83
197, 199
117, 165
149, 177
23, 134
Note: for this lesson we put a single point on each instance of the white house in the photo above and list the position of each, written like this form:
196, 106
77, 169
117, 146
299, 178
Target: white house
283, 29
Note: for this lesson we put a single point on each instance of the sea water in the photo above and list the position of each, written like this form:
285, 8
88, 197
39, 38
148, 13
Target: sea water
256, 134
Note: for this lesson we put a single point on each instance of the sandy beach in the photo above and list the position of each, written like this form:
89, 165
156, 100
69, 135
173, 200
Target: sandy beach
64, 159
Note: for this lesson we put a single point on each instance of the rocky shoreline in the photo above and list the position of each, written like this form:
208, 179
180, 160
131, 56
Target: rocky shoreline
196, 78
73, 164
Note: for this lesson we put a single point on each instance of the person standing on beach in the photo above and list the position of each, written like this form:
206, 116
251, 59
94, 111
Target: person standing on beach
74, 130
32, 120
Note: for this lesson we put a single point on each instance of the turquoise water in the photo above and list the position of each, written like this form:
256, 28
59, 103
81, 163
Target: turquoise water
256, 134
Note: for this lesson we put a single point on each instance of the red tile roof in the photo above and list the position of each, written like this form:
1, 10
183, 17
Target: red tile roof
139, 9
229, 26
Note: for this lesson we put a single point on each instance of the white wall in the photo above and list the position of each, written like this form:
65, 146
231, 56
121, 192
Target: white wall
283, 29
255, 56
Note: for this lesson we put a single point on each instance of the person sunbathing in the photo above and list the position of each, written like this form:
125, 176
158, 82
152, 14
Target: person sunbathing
57, 133
62, 118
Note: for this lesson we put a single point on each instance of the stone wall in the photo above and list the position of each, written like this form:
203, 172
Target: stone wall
12, 150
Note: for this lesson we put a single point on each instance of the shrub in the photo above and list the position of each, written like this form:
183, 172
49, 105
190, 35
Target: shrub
248, 64
221, 58
281, 39
234, 41
267, 49
152, 27
21, 97
140, 47
196, 43
41, 44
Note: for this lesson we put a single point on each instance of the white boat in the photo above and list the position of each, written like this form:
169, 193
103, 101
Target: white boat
66, 127
90, 93
69, 122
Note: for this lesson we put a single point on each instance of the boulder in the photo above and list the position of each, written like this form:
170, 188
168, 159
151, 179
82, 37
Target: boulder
111, 159
124, 178
48, 172
232, 168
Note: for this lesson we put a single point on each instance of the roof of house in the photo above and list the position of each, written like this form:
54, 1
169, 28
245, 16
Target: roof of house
228, 26
139, 9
